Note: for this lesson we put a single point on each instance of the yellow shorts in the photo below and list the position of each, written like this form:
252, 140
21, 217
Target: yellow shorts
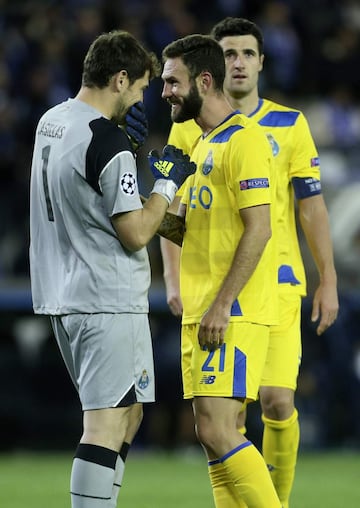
284, 353
234, 370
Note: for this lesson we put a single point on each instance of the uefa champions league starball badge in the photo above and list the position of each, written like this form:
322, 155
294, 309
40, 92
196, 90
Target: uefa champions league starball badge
128, 184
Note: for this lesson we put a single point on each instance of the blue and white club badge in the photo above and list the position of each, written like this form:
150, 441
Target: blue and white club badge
143, 380
208, 164
274, 145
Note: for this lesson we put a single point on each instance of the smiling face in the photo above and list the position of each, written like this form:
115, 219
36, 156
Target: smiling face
180, 91
243, 64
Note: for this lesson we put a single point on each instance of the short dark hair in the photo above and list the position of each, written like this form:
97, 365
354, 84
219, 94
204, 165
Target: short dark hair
114, 51
199, 53
229, 27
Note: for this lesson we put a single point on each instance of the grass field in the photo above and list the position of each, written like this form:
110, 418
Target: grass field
157, 480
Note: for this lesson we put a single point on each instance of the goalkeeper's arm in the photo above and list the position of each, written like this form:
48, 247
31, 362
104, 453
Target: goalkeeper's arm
135, 228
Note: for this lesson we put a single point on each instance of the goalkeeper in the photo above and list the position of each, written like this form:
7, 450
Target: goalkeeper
89, 265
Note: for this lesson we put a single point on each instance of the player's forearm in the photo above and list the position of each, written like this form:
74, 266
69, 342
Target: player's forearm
136, 228
314, 221
245, 261
174, 206
171, 262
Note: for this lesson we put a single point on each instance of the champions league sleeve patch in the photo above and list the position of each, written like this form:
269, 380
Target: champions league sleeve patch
315, 161
254, 183
306, 187
128, 184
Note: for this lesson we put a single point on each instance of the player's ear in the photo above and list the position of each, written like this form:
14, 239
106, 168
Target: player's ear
261, 63
119, 80
205, 81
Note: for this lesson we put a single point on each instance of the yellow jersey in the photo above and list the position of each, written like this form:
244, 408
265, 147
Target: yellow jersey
297, 175
234, 171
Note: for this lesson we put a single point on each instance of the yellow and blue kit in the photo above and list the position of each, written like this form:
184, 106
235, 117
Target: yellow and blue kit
297, 174
234, 172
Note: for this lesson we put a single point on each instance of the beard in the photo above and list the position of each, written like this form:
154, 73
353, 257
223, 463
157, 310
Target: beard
190, 107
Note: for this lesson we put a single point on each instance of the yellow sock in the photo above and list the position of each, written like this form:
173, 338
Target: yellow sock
224, 493
246, 469
280, 447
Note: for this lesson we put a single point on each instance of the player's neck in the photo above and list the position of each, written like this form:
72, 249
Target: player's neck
96, 99
246, 104
213, 113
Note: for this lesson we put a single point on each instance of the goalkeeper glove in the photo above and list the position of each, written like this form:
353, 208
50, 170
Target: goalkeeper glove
137, 127
170, 170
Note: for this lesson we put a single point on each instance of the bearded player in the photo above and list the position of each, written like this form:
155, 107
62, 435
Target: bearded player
298, 180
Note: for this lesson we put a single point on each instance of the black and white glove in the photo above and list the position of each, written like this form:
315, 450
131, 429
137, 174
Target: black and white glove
136, 125
170, 170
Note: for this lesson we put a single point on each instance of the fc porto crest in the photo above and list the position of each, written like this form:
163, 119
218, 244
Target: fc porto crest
274, 146
143, 380
208, 164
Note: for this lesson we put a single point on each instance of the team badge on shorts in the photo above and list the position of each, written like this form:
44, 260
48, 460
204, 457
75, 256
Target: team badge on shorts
128, 184
144, 380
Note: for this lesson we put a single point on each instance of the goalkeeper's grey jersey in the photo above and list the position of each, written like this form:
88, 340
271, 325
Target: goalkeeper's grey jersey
83, 173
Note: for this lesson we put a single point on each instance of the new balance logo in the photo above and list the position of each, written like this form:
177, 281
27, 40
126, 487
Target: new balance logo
164, 167
207, 380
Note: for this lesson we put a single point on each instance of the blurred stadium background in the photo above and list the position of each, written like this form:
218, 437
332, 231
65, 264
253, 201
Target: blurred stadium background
312, 62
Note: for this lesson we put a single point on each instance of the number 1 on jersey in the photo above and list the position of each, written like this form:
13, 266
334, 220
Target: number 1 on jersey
45, 157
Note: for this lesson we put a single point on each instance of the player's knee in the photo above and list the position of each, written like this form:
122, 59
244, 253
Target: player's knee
206, 435
278, 405
214, 437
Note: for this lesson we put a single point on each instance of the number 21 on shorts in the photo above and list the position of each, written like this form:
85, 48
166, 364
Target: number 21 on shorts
215, 362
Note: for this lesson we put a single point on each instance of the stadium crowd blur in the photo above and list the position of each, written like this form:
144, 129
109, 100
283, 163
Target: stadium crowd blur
312, 63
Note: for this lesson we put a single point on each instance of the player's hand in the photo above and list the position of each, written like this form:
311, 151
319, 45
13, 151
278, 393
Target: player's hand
136, 125
173, 300
173, 165
325, 307
213, 326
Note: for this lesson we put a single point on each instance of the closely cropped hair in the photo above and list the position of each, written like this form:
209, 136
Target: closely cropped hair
229, 27
199, 53
115, 51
